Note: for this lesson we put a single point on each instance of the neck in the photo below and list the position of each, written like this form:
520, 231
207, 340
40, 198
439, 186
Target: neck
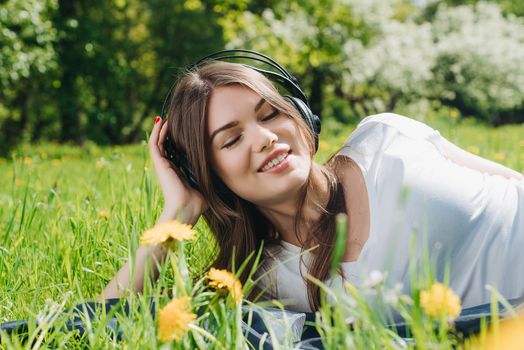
282, 215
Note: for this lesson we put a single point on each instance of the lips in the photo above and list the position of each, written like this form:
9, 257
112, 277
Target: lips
274, 155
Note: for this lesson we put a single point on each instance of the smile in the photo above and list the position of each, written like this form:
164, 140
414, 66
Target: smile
274, 162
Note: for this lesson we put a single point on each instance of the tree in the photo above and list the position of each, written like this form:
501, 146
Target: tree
118, 60
27, 61
314, 39
478, 67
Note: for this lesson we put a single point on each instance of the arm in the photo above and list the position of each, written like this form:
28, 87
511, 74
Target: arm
121, 282
462, 157
180, 202
152, 257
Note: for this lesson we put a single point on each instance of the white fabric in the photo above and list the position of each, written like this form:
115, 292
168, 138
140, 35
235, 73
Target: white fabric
471, 220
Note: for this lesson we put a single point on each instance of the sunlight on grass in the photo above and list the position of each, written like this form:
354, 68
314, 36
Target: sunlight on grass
70, 217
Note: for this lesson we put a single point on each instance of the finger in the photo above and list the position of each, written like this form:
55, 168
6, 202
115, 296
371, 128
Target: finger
162, 136
153, 138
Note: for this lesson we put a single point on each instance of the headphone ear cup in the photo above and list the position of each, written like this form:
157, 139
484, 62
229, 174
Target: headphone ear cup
312, 120
179, 159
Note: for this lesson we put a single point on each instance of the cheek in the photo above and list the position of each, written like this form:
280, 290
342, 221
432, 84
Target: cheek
294, 134
231, 168
302, 141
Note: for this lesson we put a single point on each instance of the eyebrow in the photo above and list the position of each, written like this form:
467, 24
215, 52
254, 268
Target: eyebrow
259, 104
235, 123
222, 128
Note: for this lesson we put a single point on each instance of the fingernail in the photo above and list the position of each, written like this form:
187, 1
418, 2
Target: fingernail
157, 119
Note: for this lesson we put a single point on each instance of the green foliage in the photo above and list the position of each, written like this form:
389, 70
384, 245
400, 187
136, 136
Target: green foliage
468, 72
510, 7
306, 37
118, 60
73, 71
77, 71
27, 36
27, 57
377, 56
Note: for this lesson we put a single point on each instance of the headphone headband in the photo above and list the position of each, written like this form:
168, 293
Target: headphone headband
238, 53
282, 76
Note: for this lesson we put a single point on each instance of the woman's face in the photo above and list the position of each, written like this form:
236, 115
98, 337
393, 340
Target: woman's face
260, 154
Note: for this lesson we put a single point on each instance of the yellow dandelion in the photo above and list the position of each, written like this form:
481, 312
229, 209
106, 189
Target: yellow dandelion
174, 319
100, 163
509, 335
323, 145
55, 162
453, 114
439, 301
44, 155
521, 143
28, 160
473, 149
104, 214
223, 279
499, 156
168, 233
18, 182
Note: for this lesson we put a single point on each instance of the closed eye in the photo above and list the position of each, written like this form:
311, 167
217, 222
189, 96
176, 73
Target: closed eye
271, 115
268, 117
232, 142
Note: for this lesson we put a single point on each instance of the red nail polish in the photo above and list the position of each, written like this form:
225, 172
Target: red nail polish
157, 119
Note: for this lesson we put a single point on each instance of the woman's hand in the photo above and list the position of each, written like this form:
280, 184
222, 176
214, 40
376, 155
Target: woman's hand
181, 201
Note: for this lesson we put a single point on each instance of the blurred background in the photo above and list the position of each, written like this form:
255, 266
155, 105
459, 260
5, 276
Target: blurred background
77, 71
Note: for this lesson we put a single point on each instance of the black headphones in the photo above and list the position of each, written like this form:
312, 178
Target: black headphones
278, 75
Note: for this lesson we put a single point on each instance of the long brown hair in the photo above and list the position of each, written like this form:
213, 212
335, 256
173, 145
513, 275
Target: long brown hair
236, 223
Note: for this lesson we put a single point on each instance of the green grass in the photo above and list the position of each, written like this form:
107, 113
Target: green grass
70, 217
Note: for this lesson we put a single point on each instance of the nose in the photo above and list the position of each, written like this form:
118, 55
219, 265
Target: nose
263, 138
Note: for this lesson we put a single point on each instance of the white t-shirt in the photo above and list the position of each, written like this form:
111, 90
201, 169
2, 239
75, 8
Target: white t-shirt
470, 220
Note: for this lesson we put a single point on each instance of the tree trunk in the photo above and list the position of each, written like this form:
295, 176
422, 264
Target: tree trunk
316, 96
67, 95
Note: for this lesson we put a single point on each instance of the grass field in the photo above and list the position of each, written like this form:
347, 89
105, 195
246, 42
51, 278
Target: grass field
70, 217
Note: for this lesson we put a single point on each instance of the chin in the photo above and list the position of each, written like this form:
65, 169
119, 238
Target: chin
280, 191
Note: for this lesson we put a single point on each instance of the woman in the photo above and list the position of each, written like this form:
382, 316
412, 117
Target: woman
252, 156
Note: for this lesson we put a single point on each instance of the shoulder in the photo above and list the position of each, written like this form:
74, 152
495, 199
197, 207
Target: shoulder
350, 176
356, 201
344, 168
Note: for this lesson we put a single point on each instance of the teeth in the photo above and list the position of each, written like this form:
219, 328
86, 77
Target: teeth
274, 162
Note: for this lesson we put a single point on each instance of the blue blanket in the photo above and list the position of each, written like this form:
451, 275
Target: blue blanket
467, 323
